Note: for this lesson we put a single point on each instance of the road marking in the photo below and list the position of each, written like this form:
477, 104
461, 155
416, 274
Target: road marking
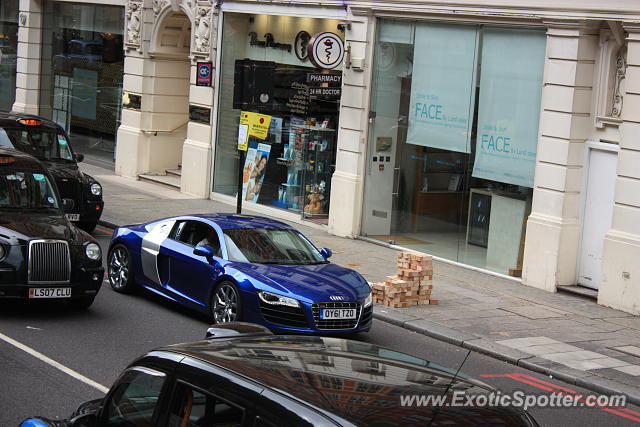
554, 388
55, 364
102, 232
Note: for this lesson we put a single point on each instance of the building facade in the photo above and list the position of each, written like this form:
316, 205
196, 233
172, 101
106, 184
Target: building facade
498, 135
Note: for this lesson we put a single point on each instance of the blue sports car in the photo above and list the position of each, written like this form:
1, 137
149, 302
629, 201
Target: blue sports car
240, 267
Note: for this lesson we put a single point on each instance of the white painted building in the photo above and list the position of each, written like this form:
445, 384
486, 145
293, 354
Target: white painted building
498, 134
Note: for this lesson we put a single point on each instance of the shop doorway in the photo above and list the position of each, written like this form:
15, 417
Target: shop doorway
169, 98
598, 212
265, 73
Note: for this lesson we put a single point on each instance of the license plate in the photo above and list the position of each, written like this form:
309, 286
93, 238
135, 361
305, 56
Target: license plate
50, 293
73, 217
337, 313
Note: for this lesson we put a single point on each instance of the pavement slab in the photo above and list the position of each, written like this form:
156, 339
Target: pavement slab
633, 370
629, 349
481, 311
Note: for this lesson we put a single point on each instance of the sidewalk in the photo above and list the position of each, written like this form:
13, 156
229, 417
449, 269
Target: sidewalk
564, 336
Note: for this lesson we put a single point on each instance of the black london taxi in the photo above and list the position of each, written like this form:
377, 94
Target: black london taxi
42, 254
242, 375
48, 142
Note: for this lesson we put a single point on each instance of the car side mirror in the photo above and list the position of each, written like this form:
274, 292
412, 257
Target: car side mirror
205, 251
67, 205
326, 253
79, 157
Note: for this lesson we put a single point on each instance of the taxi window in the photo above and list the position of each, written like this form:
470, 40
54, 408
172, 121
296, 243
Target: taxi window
40, 142
26, 190
134, 401
4, 139
64, 151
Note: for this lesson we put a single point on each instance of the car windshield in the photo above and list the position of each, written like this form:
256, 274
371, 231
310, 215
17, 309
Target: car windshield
26, 190
40, 142
270, 246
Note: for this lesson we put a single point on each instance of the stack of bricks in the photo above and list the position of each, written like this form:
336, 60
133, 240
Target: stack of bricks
412, 285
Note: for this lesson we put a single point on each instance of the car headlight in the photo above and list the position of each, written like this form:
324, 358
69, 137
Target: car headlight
92, 251
2, 252
274, 299
368, 300
96, 189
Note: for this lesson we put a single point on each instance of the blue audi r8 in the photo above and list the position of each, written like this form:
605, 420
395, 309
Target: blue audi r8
239, 267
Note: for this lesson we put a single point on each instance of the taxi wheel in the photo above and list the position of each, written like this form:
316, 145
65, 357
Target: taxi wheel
226, 305
81, 303
119, 269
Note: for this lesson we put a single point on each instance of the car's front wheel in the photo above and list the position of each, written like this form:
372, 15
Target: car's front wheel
120, 270
226, 305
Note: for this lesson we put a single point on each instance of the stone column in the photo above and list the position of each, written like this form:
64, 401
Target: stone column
553, 229
347, 181
200, 142
620, 286
29, 54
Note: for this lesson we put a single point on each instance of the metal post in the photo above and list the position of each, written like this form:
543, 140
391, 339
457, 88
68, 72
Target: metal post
240, 177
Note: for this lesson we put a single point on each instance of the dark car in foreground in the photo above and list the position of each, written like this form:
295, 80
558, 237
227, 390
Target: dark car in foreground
241, 268
48, 142
242, 375
42, 254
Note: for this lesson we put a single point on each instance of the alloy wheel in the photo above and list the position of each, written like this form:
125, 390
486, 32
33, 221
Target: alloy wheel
119, 268
225, 304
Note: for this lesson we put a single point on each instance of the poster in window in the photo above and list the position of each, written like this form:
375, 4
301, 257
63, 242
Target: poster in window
443, 86
255, 168
83, 92
509, 106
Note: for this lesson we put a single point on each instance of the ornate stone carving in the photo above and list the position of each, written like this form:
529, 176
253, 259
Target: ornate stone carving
158, 5
134, 23
621, 71
202, 33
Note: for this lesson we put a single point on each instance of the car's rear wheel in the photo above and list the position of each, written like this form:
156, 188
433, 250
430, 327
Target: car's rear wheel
226, 305
81, 303
120, 269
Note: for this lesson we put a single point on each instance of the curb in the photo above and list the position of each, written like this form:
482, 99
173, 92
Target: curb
107, 224
506, 354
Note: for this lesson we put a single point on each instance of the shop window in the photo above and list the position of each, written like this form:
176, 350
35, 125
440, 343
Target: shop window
8, 52
81, 74
264, 71
453, 140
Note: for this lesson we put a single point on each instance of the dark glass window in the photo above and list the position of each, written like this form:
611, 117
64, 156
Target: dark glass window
8, 52
81, 74
135, 399
193, 408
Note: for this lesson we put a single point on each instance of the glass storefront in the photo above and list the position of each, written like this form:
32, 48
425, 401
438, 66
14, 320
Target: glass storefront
453, 136
265, 70
8, 52
82, 69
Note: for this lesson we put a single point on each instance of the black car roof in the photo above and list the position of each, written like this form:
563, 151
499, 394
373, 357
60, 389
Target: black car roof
12, 117
356, 381
22, 160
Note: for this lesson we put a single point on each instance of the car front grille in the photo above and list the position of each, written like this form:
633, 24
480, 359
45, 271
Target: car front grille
70, 189
49, 262
335, 323
284, 315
